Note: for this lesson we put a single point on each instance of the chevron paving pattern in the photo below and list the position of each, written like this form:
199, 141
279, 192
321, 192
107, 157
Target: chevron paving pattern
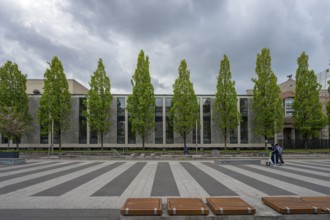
107, 184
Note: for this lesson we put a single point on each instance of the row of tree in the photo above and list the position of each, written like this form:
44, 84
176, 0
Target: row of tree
55, 102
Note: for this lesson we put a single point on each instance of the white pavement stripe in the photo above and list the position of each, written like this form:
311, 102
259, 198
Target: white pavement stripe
86, 190
244, 191
139, 187
292, 175
325, 174
187, 185
317, 164
29, 169
33, 189
281, 184
36, 175
309, 166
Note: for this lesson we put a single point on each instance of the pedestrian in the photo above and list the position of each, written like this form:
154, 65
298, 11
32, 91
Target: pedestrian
280, 152
274, 155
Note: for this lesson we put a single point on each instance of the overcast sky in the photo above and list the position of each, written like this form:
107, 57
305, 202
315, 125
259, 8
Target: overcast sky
80, 32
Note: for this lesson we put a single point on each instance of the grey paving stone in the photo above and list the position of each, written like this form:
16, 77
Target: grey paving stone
164, 182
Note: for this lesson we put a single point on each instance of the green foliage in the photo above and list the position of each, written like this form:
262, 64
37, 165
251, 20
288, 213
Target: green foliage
184, 111
13, 100
141, 103
308, 116
55, 102
267, 103
225, 112
99, 101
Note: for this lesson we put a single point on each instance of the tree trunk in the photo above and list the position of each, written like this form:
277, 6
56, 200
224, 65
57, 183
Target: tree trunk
142, 142
225, 136
8, 144
17, 144
185, 149
102, 141
59, 140
266, 142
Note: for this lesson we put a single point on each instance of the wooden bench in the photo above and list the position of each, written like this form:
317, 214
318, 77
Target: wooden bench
230, 206
186, 206
142, 207
323, 202
290, 205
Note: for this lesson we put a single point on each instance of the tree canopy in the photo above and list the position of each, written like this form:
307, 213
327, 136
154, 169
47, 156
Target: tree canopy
308, 116
55, 102
226, 114
184, 110
13, 100
267, 104
98, 111
141, 103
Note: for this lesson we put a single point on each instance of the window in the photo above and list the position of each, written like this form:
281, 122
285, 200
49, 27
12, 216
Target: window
197, 130
169, 125
244, 120
121, 120
207, 121
82, 122
159, 121
288, 107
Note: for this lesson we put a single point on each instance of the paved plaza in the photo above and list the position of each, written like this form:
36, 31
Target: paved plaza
96, 189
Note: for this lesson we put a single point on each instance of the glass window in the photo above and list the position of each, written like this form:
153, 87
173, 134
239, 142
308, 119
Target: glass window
159, 121
207, 120
82, 122
244, 120
169, 125
121, 120
288, 107
197, 130
131, 135
43, 136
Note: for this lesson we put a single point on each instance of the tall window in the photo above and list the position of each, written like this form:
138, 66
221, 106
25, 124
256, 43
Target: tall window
121, 120
131, 135
197, 129
169, 126
159, 121
82, 122
288, 107
43, 136
244, 120
207, 120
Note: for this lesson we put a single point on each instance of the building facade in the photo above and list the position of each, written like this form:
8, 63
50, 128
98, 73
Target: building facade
205, 135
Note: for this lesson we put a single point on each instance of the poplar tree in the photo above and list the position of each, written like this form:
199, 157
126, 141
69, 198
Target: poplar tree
225, 112
55, 102
141, 103
308, 116
14, 103
267, 103
184, 111
98, 111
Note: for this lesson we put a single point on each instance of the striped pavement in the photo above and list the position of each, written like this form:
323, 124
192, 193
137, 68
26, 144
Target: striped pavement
60, 184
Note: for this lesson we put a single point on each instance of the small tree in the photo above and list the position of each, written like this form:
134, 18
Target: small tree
267, 103
184, 111
98, 102
14, 100
226, 114
308, 116
12, 123
55, 102
141, 103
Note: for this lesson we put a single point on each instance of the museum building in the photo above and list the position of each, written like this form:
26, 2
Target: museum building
205, 135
